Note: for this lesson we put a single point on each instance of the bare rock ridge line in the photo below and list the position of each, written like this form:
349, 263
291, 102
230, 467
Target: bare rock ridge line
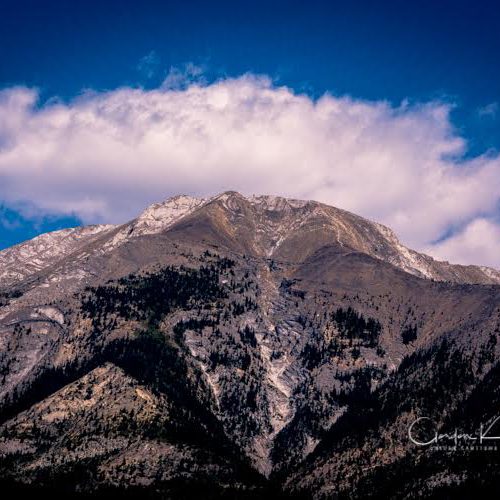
275, 218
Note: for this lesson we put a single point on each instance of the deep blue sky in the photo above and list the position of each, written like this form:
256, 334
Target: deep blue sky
447, 50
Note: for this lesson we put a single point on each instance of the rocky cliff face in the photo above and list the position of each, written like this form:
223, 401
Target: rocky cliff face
241, 346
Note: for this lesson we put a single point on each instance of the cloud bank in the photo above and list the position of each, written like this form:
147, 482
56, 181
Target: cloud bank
105, 156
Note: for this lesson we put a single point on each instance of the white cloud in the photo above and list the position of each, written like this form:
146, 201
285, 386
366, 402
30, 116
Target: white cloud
479, 241
181, 78
148, 65
490, 110
104, 156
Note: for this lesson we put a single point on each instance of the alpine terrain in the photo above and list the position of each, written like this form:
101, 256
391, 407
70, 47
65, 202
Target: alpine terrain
242, 347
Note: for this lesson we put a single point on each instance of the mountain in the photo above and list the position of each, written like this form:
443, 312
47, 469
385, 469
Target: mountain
242, 347
281, 229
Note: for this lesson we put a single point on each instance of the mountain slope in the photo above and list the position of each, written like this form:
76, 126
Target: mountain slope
25, 259
244, 346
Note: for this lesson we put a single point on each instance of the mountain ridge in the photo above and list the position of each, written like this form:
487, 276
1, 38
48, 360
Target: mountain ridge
161, 216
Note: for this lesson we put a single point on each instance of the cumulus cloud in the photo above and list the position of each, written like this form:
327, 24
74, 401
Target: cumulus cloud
479, 241
181, 78
104, 156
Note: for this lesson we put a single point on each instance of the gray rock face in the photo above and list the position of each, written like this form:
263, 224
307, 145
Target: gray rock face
26, 259
238, 345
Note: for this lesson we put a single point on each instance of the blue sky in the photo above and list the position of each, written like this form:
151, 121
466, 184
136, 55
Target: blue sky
375, 50
401, 52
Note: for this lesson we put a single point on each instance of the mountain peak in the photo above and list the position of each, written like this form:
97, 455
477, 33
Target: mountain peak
265, 225
160, 216
276, 203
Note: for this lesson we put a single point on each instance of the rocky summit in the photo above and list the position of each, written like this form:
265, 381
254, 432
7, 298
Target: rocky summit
242, 347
